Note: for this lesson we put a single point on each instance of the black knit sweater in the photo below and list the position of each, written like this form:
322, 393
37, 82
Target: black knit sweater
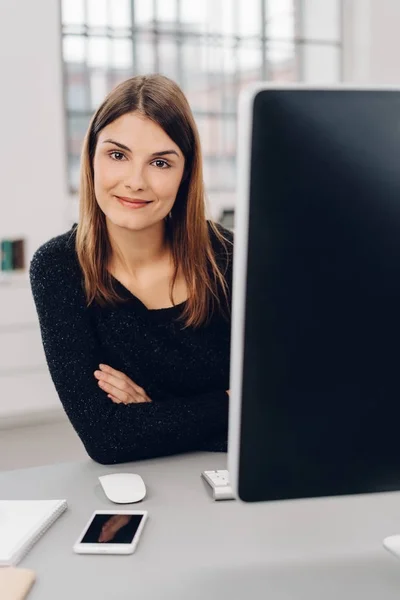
185, 372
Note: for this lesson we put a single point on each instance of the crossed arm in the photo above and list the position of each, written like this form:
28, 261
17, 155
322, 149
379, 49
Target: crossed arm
116, 420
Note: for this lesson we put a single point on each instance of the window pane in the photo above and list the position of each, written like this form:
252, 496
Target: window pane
249, 23
143, 11
194, 15
220, 17
166, 11
121, 53
229, 172
210, 172
98, 88
219, 173
321, 64
216, 135
229, 136
230, 66
168, 58
227, 21
211, 135
230, 97
280, 19
72, 12
217, 100
204, 79
73, 172
195, 76
97, 14
120, 13
98, 49
77, 126
250, 61
77, 91
281, 61
74, 48
201, 123
145, 60
116, 77
216, 77
321, 20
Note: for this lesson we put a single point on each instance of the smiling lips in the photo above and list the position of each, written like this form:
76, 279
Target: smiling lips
132, 202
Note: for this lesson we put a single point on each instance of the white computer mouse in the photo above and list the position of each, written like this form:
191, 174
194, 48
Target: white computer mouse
392, 544
123, 488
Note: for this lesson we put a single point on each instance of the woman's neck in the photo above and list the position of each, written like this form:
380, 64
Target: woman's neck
136, 250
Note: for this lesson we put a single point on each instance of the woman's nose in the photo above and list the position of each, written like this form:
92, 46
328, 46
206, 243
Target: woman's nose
136, 180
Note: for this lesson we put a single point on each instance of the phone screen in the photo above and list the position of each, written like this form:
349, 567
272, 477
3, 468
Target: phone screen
112, 529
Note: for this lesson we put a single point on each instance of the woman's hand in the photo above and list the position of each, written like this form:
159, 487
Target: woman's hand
118, 387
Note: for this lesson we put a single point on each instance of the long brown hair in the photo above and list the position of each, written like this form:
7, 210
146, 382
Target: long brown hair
187, 229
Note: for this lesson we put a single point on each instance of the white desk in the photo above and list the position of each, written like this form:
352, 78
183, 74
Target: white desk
194, 548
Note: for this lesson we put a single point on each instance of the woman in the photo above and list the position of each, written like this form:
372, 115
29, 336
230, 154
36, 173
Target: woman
134, 301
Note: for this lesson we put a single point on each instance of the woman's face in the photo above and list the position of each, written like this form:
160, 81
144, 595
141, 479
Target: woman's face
137, 172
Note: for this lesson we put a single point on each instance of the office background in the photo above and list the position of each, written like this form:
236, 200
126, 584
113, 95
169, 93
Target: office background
57, 62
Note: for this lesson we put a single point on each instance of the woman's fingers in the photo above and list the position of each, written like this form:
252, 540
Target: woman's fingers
129, 401
114, 399
120, 384
109, 370
119, 387
119, 395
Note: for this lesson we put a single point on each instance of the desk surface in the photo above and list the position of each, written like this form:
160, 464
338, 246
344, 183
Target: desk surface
194, 548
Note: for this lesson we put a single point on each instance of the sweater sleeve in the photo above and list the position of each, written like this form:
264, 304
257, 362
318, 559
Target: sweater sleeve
111, 433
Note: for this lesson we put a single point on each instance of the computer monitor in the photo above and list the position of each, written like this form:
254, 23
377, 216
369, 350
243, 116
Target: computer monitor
315, 351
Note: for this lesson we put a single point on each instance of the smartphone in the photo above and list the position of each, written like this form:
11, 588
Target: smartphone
111, 532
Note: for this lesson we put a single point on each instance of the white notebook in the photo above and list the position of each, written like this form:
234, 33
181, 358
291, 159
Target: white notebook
22, 523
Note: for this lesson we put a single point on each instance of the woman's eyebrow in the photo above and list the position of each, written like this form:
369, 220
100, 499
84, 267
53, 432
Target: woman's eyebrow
164, 152
123, 147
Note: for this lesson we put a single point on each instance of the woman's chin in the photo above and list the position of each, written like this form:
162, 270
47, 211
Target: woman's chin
134, 222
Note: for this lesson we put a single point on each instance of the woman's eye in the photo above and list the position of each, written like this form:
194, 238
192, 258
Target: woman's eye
161, 164
117, 155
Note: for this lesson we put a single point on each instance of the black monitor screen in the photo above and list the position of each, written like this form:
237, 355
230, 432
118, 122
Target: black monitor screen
321, 370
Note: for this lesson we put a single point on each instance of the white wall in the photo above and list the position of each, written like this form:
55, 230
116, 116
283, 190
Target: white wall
33, 199
371, 41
